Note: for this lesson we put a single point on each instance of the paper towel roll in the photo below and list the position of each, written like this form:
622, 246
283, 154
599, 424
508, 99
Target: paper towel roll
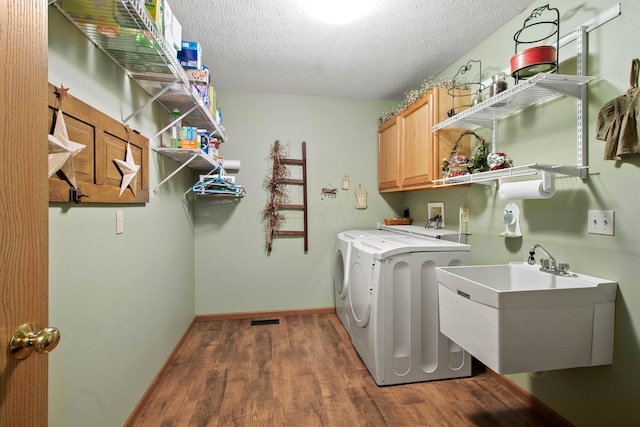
535, 189
231, 164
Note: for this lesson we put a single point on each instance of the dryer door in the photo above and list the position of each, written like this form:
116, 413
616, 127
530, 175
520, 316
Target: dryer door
341, 272
361, 277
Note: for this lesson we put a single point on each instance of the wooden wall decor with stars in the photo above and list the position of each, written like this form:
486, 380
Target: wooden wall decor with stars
97, 174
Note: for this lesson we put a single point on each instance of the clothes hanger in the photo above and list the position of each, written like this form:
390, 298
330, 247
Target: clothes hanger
218, 186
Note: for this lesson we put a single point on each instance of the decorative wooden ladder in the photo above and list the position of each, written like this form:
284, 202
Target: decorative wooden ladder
303, 207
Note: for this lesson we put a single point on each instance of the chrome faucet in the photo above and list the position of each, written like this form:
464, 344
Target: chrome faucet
547, 264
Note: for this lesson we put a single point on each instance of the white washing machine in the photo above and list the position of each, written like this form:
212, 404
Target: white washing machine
393, 301
341, 272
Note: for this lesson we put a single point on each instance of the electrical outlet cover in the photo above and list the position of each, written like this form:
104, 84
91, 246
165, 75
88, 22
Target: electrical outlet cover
434, 209
464, 214
601, 222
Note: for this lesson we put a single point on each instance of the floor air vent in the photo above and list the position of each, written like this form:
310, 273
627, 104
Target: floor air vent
265, 322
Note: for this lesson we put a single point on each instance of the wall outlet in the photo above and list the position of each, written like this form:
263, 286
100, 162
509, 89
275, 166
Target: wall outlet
601, 222
464, 214
119, 222
434, 209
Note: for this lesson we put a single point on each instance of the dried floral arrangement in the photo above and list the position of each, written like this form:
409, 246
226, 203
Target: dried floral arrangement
458, 165
278, 193
413, 95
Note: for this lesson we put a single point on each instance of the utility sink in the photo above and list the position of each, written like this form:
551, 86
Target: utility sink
516, 318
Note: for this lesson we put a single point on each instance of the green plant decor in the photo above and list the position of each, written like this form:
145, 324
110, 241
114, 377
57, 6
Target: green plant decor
413, 95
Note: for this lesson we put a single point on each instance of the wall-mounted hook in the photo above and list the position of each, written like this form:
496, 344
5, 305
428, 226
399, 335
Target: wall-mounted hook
75, 195
328, 191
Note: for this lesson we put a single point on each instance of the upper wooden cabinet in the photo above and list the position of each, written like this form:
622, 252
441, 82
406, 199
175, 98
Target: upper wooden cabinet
409, 153
388, 156
416, 153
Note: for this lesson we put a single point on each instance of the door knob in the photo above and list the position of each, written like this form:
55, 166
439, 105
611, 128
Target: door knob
30, 338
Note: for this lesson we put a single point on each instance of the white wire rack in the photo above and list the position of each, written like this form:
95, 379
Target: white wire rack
125, 32
538, 89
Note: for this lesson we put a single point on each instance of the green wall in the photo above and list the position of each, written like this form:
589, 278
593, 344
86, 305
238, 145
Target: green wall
121, 302
596, 396
234, 273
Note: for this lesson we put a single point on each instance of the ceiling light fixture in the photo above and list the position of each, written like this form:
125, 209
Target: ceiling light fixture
338, 11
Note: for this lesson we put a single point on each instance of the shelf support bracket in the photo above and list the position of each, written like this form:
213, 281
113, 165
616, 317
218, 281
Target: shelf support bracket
164, 129
564, 90
151, 100
172, 174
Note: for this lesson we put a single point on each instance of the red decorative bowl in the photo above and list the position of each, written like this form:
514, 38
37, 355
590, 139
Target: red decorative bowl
532, 61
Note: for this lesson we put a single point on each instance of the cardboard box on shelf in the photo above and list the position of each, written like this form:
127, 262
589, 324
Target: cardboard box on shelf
88, 13
213, 105
167, 20
177, 34
186, 143
189, 133
190, 56
155, 8
198, 76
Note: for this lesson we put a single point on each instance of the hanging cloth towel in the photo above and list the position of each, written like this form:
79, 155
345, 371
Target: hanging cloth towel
617, 122
629, 130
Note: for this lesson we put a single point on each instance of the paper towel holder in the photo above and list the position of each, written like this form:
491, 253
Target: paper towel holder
511, 219
544, 188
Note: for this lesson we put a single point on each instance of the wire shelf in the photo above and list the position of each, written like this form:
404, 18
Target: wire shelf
538, 89
125, 32
198, 159
491, 177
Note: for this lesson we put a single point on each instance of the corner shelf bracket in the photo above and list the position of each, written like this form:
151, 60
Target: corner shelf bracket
194, 158
164, 129
150, 101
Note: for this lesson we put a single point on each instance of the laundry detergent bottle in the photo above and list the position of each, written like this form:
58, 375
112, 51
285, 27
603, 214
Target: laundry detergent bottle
176, 127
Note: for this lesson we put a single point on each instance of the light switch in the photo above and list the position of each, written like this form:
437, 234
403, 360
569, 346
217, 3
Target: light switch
119, 222
601, 222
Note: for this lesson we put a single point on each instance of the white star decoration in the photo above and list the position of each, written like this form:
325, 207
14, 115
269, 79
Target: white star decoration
62, 151
129, 171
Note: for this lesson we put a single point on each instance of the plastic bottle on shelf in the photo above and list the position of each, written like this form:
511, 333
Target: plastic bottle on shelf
176, 128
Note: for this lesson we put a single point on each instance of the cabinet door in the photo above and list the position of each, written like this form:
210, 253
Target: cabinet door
416, 149
388, 156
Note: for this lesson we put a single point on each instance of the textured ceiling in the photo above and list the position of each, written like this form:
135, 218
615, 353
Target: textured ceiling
275, 46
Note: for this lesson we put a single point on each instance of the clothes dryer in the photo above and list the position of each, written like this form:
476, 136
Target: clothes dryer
341, 278
394, 307
341, 271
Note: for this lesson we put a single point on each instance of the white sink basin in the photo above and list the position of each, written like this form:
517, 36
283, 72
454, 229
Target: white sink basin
516, 318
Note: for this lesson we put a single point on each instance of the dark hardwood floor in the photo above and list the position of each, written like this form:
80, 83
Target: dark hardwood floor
305, 372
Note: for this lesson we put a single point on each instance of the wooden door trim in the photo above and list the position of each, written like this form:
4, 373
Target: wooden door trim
24, 249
